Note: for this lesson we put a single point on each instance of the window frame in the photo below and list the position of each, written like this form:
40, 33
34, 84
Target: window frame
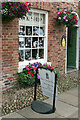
25, 62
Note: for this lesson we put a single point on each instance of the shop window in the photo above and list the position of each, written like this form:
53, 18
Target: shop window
33, 36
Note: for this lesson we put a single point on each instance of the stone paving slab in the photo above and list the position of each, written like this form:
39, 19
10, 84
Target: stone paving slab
0, 118
13, 115
64, 109
29, 113
73, 91
74, 115
68, 98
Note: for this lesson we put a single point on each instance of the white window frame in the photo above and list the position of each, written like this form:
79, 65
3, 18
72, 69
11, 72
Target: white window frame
26, 62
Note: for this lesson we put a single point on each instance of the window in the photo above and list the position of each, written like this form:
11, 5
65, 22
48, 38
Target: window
33, 37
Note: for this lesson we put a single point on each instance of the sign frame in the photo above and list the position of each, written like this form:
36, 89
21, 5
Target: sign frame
35, 103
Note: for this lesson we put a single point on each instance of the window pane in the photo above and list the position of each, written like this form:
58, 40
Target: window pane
28, 30
21, 42
31, 36
36, 19
41, 42
22, 30
41, 53
27, 42
36, 30
23, 18
42, 19
28, 54
42, 30
35, 42
21, 55
29, 17
34, 54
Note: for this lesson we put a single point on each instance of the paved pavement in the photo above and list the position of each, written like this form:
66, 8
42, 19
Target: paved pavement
66, 107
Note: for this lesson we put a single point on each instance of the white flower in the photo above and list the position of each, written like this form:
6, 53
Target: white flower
4, 11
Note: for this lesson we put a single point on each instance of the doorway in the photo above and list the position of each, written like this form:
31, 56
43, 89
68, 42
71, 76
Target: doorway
71, 47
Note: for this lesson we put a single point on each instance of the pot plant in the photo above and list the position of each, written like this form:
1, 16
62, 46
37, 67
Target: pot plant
12, 10
67, 17
27, 76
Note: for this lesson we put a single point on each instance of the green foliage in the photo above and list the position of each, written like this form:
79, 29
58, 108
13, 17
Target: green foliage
67, 17
25, 79
27, 76
12, 10
57, 71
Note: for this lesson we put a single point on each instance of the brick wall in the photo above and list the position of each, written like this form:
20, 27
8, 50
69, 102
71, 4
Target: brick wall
56, 53
0, 55
9, 52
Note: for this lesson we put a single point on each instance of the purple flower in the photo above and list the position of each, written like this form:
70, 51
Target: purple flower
45, 64
32, 66
74, 9
59, 18
65, 9
59, 12
66, 20
27, 68
64, 17
38, 76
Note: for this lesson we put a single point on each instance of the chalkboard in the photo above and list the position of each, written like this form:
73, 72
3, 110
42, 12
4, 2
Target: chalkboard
47, 79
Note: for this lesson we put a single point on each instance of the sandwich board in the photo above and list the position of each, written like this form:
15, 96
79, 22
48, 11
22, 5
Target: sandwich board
48, 79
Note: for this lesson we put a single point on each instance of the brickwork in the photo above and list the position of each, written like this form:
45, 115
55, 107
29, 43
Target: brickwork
10, 52
56, 53
0, 56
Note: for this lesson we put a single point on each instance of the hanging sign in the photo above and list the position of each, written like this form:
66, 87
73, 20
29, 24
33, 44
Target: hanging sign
63, 42
47, 79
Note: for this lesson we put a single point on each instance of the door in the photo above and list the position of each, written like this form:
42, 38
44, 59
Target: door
71, 47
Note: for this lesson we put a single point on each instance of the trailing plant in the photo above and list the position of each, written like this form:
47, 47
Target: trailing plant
12, 10
27, 76
67, 17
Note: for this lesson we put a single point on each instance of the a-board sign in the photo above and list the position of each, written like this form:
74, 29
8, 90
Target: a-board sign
47, 79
